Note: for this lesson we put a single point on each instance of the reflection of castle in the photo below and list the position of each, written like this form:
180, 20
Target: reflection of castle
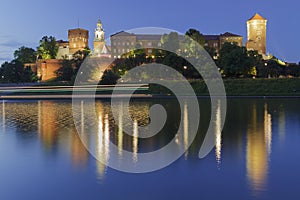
259, 139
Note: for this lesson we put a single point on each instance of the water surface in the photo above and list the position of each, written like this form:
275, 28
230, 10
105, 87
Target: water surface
255, 157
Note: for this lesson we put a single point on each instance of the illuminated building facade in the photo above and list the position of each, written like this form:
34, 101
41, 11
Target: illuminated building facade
78, 39
123, 42
257, 34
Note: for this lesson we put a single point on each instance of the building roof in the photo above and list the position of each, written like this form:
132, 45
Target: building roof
228, 34
257, 17
155, 37
61, 41
211, 37
78, 29
122, 33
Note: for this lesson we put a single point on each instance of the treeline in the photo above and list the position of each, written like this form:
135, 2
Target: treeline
15, 72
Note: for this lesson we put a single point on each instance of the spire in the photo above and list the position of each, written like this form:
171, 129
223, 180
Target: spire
257, 17
99, 23
99, 32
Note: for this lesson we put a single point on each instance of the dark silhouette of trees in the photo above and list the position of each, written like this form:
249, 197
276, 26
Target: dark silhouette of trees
25, 55
236, 61
15, 72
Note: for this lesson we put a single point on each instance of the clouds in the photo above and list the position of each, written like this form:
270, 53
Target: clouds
8, 44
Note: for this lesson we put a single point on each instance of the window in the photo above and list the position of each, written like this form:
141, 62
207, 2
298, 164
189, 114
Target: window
159, 44
149, 44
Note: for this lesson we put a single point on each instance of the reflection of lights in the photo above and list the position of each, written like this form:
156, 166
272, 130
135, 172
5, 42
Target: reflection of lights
218, 134
106, 137
39, 116
259, 140
281, 125
185, 129
99, 145
82, 118
135, 141
102, 144
268, 129
3, 116
120, 131
79, 152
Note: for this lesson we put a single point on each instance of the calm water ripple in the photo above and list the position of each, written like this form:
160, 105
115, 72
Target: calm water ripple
256, 156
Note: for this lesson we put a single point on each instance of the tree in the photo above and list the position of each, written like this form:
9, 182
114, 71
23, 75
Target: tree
236, 61
271, 69
14, 72
211, 51
196, 35
170, 41
293, 70
109, 78
78, 58
25, 55
66, 72
48, 48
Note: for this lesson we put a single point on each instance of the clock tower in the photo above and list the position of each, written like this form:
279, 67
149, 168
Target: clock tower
99, 40
257, 36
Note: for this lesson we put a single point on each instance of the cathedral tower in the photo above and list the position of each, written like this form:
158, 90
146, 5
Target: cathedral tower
257, 36
99, 40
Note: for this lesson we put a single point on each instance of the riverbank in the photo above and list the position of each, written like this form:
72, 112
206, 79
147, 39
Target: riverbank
69, 92
289, 87
245, 87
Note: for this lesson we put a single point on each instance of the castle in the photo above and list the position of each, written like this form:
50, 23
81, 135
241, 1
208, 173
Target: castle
122, 42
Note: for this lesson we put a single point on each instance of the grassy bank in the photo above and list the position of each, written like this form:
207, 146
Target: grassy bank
233, 87
245, 87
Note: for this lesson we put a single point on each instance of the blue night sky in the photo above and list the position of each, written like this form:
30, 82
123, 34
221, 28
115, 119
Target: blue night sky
24, 22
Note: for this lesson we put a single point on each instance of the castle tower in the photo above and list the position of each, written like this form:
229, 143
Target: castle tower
99, 40
78, 39
257, 36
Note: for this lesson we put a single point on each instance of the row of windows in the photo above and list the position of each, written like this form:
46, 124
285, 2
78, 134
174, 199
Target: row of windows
79, 39
121, 50
78, 46
123, 43
127, 50
149, 44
